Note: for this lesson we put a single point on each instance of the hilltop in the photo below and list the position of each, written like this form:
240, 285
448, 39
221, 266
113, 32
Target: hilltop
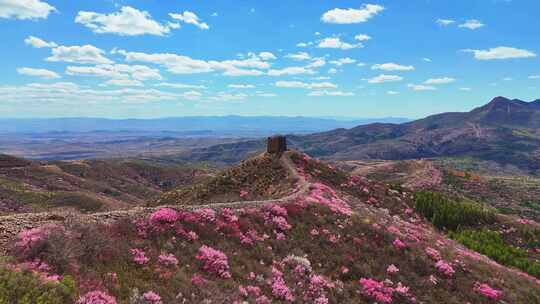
331, 238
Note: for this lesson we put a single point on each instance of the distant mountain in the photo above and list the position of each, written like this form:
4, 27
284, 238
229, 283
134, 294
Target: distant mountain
504, 130
199, 125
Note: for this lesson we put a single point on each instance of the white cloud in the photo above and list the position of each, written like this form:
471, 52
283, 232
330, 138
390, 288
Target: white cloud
343, 61
304, 44
86, 54
178, 64
180, 85
534, 77
507, 78
444, 22
443, 80
336, 43
501, 52
68, 93
290, 71
304, 85
472, 24
330, 93
361, 64
426, 59
390, 66
241, 86
267, 56
42, 73
39, 43
25, 9
224, 96
128, 21
124, 82
392, 92
420, 87
351, 15
214, 14
266, 95
191, 95
385, 78
123, 71
317, 63
362, 37
332, 71
465, 89
190, 18
299, 56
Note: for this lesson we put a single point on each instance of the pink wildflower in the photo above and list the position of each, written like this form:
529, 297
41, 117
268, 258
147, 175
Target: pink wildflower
433, 280
96, 297
139, 256
262, 300
392, 269
398, 244
314, 232
214, 261
198, 280
376, 290
206, 214
243, 193
401, 289
152, 297
344, 270
445, 268
168, 260
434, 254
487, 291
164, 216
280, 290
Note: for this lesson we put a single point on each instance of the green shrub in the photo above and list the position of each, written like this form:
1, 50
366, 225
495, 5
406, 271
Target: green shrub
491, 244
445, 213
23, 287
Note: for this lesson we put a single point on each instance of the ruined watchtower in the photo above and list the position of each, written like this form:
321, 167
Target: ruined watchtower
276, 144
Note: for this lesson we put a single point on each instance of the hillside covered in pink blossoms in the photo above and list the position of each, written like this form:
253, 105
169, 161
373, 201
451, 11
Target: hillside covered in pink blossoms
336, 239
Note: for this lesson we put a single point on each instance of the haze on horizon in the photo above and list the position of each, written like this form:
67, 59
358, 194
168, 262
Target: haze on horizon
148, 59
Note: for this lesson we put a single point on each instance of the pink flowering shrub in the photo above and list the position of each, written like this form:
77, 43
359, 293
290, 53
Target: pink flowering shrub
214, 261
139, 256
487, 291
206, 215
445, 268
96, 297
392, 269
280, 290
164, 216
376, 290
167, 260
434, 254
152, 298
31, 242
398, 244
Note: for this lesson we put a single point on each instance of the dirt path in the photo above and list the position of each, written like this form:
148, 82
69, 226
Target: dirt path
11, 225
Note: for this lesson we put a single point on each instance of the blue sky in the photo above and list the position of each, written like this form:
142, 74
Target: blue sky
107, 58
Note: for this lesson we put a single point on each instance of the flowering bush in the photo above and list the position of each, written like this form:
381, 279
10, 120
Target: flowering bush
392, 269
30, 242
139, 256
206, 215
445, 268
280, 290
152, 298
399, 244
487, 291
376, 290
167, 260
434, 254
96, 297
164, 216
214, 261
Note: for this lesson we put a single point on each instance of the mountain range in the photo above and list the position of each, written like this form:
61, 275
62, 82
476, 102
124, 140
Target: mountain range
505, 130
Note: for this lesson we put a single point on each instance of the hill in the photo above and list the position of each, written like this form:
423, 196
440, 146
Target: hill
333, 238
505, 131
87, 185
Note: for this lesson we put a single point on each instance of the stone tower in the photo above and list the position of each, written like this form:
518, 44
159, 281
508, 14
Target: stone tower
276, 144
